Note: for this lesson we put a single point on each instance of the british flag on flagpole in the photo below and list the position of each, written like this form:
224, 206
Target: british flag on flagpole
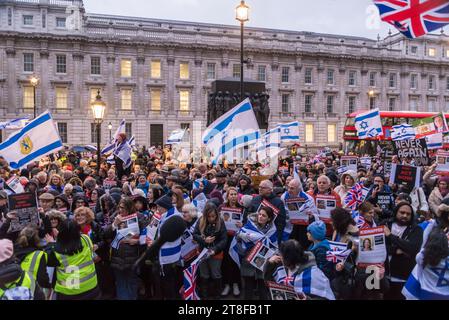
355, 196
414, 18
190, 276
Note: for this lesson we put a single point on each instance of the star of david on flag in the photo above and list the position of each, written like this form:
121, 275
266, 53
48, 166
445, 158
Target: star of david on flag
368, 124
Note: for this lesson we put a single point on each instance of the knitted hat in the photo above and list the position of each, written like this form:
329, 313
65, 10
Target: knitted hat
318, 230
6, 250
164, 202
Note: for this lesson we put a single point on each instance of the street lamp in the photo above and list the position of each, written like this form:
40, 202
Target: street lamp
110, 131
242, 15
34, 81
98, 108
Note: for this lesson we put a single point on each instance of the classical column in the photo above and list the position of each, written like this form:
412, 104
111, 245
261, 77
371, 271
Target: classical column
275, 100
79, 106
171, 81
198, 101
141, 110
111, 81
12, 78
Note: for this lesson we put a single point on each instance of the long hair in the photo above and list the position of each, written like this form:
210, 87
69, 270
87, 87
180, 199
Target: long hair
128, 203
292, 253
208, 209
341, 219
28, 237
227, 192
69, 238
436, 248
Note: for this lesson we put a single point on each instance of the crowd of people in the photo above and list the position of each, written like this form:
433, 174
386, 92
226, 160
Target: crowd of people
77, 250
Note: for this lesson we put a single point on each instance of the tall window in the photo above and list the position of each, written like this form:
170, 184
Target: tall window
431, 105
210, 71
28, 62
413, 104
60, 22
28, 97
391, 104
61, 63
432, 52
285, 74
62, 128
330, 104
61, 98
261, 73
308, 76
392, 80
127, 99
308, 103
93, 132
351, 104
372, 79
285, 103
156, 69
431, 82
184, 100
236, 70
352, 78
44, 19
330, 77
95, 65
414, 49
9, 17
184, 73
129, 130
126, 68
413, 81
309, 133
28, 20
447, 83
372, 102
331, 133
156, 100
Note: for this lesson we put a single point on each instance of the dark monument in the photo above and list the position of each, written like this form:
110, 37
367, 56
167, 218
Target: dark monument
225, 95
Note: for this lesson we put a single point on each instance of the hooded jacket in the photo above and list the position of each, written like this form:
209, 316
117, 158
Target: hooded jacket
435, 199
342, 189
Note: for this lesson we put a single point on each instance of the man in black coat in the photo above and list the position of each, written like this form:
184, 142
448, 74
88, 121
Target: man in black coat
404, 240
266, 193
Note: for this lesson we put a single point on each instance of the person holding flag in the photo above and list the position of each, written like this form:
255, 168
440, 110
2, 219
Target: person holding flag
122, 156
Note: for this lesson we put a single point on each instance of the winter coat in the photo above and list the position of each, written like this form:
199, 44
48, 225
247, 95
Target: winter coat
320, 250
210, 231
416, 203
281, 218
342, 189
435, 199
42, 276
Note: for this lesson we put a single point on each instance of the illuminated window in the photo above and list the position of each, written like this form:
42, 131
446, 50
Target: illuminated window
156, 100
126, 68
28, 98
331, 133
127, 99
309, 132
61, 98
184, 100
184, 71
156, 69
432, 52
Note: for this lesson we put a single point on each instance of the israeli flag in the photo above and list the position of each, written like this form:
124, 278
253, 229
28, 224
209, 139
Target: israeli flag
429, 283
403, 132
110, 147
312, 281
123, 152
434, 141
15, 124
368, 124
170, 252
176, 136
37, 139
270, 145
289, 132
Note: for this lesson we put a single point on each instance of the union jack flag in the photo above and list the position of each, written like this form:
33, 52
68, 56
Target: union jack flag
281, 277
355, 196
414, 18
190, 283
338, 252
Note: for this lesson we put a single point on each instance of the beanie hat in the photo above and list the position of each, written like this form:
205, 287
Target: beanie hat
6, 250
318, 230
165, 202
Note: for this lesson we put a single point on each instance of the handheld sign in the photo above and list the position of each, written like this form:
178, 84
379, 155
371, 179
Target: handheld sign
259, 255
25, 207
350, 162
405, 175
230, 217
283, 292
372, 248
15, 185
296, 212
415, 149
442, 163
325, 204
129, 227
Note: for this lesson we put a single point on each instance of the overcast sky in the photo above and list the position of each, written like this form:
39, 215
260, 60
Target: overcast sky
346, 17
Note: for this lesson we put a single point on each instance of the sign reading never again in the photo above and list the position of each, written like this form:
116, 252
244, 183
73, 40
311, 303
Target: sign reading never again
415, 149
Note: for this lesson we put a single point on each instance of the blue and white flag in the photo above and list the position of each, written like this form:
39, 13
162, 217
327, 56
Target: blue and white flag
434, 141
403, 131
36, 140
123, 152
176, 136
368, 124
289, 132
429, 283
110, 147
312, 281
15, 124
269, 146
170, 252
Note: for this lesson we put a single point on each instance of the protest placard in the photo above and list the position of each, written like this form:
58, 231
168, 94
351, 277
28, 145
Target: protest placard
259, 255
15, 185
387, 168
366, 162
152, 227
189, 248
230, 217
295, 212
442, 163
415, 149
372, 249
424, 127
350, 162
129, 227
325, 204
25, 207
283, 292
405, 175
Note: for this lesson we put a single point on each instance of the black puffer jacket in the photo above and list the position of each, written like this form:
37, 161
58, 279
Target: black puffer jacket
126, 255
211, 231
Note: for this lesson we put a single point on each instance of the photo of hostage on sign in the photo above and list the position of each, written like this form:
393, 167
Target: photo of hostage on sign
372, 248
325, 204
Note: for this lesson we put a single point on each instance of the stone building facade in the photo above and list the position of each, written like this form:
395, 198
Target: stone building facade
157, 74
